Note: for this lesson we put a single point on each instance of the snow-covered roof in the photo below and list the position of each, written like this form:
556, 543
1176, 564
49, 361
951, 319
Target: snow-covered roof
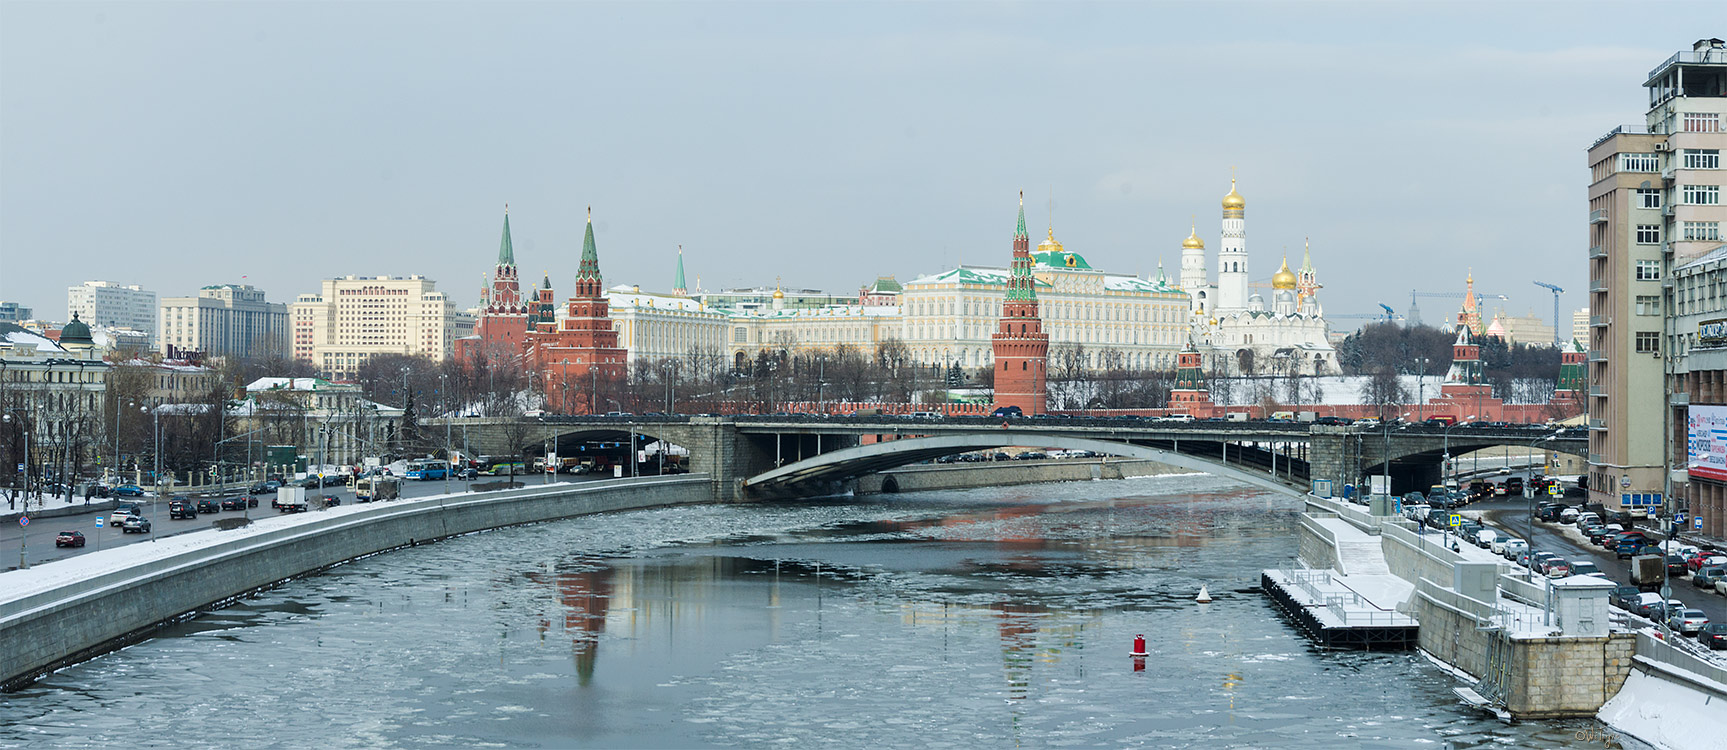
977, 275
13, 335
626, 296
289, 384
1137, 284
830, 311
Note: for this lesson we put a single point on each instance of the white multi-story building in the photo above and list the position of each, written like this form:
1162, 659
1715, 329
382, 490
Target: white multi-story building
654, 327
110, 305
357, 317
229, 320
52, 391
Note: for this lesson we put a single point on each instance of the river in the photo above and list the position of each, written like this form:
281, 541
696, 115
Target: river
980, 618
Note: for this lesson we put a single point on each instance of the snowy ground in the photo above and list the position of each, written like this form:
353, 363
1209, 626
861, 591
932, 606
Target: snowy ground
1667, 713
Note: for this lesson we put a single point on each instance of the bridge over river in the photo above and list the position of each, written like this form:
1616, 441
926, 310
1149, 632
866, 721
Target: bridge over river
764, 456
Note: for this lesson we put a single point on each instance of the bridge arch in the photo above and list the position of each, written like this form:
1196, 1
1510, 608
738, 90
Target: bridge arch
851, 463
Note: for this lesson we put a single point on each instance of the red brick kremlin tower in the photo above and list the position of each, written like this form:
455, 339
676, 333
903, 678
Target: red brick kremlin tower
1021, 347
579, 361
502, 330
1190, 396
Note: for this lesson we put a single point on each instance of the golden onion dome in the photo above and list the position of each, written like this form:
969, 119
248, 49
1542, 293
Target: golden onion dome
779, 294
1193, 242
1233, 201
1049, 245
1284, 278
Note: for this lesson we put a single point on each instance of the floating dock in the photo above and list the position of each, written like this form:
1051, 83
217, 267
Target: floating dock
1325, 607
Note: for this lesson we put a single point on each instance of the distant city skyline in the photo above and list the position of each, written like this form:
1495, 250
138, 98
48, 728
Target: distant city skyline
822, 145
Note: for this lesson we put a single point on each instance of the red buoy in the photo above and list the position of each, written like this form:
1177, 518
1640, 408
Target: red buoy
1138, 646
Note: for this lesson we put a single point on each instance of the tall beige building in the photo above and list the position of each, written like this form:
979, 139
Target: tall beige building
224, 320
1654, 205
357, 317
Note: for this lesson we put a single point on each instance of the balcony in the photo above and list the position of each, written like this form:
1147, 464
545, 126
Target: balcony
1597, 424
1597, 321
1679, 399
1598, 216
1667, 210
1597, 392
1596, 355
1597, 251
1597, 286
1596, 458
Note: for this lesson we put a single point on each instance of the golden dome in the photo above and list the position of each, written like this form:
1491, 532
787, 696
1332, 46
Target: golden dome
779, 294
1193, 242
1233, 201
1283, 279
1049, 245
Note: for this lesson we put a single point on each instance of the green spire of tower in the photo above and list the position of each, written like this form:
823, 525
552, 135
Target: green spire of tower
506, 253
590, 266
1021, 231
678, 278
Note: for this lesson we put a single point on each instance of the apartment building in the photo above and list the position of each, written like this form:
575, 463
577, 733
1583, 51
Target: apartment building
355, 318
105, 304
1654, 206
226, 320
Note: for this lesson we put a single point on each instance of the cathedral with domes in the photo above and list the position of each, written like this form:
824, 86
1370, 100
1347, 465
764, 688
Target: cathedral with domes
1233, 323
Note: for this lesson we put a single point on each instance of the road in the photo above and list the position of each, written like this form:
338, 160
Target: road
38, 537
1512, 515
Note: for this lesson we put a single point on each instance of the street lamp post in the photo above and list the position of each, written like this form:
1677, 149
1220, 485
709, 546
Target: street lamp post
23, 538
1445, 472
156, 417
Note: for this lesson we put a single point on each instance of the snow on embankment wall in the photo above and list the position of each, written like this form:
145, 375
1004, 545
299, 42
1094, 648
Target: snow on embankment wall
71, 610
1666, 705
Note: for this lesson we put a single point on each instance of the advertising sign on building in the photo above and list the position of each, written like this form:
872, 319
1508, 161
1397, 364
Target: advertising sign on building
1706, 442
1712, 333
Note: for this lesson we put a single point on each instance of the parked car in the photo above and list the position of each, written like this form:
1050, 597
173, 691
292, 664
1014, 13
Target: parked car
1483, 538
207, 505
1705, 578
1687, 620
1644, 602
1596, 532
70, 538
1568, 515
1713, 635
1698, 562
1558, 568
181, 509
1624, 596
1512, 548
1584, 568
129, 490
135, 525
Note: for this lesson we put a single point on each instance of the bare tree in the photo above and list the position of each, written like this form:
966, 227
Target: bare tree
1385, 392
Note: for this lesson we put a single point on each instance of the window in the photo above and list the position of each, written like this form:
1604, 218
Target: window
1648, 304
1702, 122
1638, 163
1648, 342
1703, 230
1648, 198
1648, 234
1648, 270
1702, 195
1702, 158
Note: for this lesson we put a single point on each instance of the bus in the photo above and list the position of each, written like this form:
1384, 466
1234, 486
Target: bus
367, 489
428, 469
492, 466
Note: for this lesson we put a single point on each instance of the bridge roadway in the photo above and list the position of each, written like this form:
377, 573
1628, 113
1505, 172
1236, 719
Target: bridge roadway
771, 455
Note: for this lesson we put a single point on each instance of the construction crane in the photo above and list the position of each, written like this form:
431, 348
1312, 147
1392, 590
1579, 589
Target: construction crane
1414, 316
1389, 316
1556, 292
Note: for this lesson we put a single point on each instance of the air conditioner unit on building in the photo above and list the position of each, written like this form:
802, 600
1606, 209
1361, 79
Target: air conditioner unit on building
1661, 146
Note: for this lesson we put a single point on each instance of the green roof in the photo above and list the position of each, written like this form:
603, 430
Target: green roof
678, 278
590, 266
1062, 259
506, 253
886, 284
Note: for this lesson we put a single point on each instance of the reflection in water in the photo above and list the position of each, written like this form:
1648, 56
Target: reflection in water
959, 619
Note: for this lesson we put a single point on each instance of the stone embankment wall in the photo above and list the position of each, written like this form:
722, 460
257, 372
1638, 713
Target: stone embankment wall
93, 615
1316, 546
1560, 677
1004, 473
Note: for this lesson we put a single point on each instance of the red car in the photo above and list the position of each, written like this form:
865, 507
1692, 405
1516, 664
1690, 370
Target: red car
1704, 559
69, 539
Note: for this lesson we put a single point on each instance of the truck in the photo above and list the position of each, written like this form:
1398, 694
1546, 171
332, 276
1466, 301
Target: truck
1307, 416
1647, 572
291, 500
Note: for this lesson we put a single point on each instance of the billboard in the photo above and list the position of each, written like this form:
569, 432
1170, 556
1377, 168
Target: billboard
1706, 442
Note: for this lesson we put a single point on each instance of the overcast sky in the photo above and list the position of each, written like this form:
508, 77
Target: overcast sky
176, 145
